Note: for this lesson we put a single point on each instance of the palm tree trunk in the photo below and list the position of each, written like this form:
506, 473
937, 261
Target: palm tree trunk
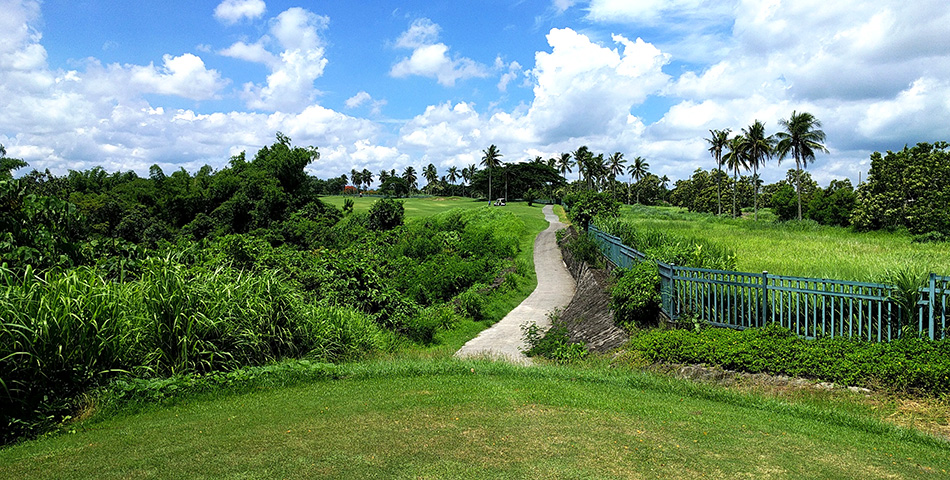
719, 190
755, 194
489, 187
735, 188
798, 184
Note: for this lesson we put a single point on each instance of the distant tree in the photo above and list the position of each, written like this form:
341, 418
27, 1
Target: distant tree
637, 170
491, 159
582, 159
409, 175
615, 164
431, 175
759, 148
802, 138
367, 177
564, 164
453, 174
8, 165
735, 159
718, 140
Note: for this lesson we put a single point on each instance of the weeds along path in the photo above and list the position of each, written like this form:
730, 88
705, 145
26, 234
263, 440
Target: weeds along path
503, 341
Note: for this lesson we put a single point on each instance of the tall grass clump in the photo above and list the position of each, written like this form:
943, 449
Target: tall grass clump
686, 251
64, 332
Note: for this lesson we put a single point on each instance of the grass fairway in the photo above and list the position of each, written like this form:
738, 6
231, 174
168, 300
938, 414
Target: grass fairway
426, 206
801, 249
453, 419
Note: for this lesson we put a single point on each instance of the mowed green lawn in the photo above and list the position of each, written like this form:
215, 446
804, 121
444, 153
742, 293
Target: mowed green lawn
426, 206
454, 419
801, 250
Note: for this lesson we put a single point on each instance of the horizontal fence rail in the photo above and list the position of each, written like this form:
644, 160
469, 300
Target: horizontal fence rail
810, 307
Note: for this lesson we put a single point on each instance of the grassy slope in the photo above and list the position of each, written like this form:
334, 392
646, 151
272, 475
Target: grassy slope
815, 251
448, 419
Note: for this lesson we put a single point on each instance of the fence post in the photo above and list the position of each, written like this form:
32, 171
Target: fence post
765, 298
932, 290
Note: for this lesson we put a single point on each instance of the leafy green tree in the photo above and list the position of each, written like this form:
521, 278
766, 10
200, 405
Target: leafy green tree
491, 159
834, 205
394, 187
909, 188
585, 205
802, 138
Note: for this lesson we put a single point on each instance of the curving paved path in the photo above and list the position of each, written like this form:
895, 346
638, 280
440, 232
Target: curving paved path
503, 341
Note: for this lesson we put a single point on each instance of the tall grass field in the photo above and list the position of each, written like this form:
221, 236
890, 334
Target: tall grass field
799, 248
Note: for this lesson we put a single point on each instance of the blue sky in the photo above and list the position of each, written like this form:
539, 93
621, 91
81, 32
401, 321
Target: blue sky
386, 84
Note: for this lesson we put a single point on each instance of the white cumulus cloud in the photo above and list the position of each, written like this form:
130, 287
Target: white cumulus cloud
430, 58
233, 11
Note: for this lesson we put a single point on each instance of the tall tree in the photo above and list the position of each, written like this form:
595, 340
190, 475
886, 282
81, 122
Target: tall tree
564, 164
615, 166
718, 140
453, 174
409, 175
357, 178
431, 175
637, 170
367, 177
802, 138
759, 148
490, 159
735, 159
582, 158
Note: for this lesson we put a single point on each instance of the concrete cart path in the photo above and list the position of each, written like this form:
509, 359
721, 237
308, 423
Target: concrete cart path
503, 341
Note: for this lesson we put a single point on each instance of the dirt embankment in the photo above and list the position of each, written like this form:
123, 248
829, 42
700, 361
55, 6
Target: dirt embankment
588, 317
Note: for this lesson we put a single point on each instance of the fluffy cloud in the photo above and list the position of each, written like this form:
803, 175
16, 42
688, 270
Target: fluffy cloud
363, 98
294, 68
583, 88
430, 58
232, 11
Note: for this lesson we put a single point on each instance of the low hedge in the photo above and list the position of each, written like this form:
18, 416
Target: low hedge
910, 365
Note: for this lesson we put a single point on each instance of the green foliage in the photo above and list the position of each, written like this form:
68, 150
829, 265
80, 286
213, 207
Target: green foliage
635, 296
554, 343
584, 248
386, 214
904, 365
583, 206
668, 247
909, 188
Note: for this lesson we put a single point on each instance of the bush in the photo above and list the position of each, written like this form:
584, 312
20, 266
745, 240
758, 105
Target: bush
555, 344
584, 248
386, 214
635, 296
907, 365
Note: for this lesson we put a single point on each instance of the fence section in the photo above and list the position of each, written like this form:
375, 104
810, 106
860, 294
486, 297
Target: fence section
810, 307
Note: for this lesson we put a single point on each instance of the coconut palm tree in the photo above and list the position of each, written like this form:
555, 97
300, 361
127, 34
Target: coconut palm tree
759, 148
581, 159
615, 165
490, 159
409, 175
802, 138
637, 170
431, 175
453, 174
367, 178
718, 139
357, 178
383, 175
564, 164
735, 159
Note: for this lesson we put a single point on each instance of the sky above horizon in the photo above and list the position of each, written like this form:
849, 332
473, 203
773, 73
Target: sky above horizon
387, 84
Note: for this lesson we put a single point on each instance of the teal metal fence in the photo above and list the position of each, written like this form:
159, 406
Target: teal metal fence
810, 307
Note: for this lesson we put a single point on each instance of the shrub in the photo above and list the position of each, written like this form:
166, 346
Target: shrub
386, 214
635, 296
554, 344
914, 365
584, 248
471, 303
